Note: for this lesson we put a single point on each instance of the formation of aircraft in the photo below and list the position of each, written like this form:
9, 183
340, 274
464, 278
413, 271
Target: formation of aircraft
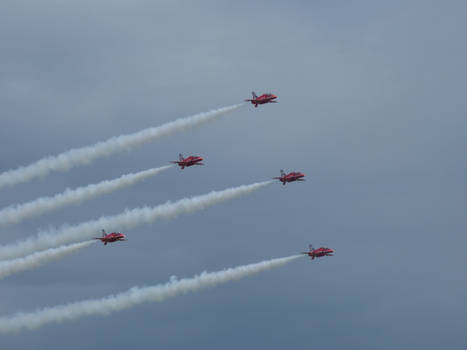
111, 237
318, 253
188, 161
261, 100
290, 177
197, 160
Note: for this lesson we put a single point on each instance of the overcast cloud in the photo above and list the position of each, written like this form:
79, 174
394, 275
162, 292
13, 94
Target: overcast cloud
371, 108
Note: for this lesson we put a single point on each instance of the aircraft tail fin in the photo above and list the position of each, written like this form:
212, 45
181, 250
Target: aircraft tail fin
254, 95
180, 157
282, 173
103, 233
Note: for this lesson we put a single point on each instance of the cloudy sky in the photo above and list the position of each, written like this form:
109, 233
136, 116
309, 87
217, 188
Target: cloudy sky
371, 108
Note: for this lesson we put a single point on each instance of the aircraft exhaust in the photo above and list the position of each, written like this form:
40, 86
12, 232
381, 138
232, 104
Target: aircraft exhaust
134, 296
124, 221
19, 212
37, 259
85, 155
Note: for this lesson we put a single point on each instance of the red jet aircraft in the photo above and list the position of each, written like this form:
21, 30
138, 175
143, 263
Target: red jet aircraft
261, 100
111, 237
290, 177
318, 253
188, 161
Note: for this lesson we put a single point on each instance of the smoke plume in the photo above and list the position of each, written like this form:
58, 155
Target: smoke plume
37, 259
127, 220
85, 155
16, 213
134, 296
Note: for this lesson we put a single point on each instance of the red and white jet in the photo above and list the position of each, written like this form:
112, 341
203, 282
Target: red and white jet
290, 177
261, 100
111, 237
318, 253
188, 161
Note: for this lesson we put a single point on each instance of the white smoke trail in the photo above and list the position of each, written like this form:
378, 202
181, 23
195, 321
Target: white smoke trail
134, 296
16, 213
37, 259
85, 155
127, 220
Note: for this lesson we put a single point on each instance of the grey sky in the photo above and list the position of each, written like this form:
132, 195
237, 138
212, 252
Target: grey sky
371, 108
